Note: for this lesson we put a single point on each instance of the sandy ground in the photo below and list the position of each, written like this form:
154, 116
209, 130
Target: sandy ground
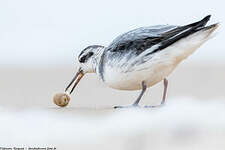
26, 87
193, 117
187, 124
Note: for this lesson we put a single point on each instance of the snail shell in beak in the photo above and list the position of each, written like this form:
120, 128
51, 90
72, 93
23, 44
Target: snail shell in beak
61, 99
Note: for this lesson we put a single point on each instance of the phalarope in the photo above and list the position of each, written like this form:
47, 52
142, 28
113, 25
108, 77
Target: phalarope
143, 57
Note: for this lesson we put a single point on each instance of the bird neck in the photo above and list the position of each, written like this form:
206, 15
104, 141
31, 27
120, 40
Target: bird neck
97, 58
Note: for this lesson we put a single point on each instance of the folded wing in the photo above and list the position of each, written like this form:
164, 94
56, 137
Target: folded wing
141, 39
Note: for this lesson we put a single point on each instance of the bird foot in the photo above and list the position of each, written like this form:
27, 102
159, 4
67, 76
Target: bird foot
155, 106
130, 106
137, 106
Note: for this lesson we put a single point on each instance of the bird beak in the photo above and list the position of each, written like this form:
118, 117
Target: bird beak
75, 79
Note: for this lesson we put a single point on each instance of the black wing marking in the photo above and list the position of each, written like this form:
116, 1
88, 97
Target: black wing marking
164, 38
139, 39
139, 45
182, 32
174, 35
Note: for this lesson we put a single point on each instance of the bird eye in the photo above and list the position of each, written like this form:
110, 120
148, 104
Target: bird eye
84, 58
90, 54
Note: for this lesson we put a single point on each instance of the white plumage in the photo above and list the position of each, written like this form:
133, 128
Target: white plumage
143, 57
158, 67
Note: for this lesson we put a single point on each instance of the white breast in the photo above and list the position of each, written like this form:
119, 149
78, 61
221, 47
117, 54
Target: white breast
151, 73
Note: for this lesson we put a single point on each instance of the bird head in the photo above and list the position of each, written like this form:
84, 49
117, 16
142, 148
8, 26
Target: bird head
88, 59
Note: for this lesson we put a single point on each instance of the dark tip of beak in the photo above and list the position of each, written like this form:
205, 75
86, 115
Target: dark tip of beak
78, 76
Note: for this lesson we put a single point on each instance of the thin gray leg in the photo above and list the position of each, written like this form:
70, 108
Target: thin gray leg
135, 104
144, 87
165, 82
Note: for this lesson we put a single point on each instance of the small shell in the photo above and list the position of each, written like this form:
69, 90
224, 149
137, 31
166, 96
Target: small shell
61, 99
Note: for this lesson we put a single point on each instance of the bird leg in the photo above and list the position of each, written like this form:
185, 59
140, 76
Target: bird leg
135, 104
144, 87
165, 82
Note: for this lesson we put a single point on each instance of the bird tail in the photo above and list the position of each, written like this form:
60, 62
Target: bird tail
192, 36
200, 23
187, 30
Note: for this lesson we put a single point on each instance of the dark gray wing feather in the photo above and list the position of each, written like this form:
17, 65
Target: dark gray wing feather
140, 39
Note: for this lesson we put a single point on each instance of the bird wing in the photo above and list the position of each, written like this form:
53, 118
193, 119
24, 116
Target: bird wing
141, 39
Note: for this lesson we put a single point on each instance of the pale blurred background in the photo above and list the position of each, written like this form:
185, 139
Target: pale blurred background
39, 44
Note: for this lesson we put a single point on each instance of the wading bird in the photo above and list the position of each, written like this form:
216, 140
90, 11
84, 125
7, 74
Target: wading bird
142, 57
